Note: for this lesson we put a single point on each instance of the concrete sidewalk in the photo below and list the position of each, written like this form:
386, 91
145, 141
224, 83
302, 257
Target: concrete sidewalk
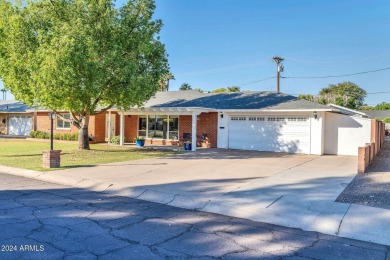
290, 190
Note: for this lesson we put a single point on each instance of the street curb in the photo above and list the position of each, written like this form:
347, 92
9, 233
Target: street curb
113, 189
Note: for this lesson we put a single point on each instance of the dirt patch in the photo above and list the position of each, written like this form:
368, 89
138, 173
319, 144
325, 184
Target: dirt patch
373, 187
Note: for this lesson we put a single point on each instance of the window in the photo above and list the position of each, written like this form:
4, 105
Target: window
271, 118
255, 118
142, 125
238, 118
159, 127
62, 124
173, 127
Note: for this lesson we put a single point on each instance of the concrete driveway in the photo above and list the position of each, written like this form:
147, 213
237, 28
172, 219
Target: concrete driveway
193, 178
285, 189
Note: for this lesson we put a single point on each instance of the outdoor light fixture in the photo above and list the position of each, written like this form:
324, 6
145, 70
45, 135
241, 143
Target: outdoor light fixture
315, 114
52, 116
221, 114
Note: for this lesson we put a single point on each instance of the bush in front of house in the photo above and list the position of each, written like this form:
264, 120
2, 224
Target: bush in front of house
56, 136
116, 139
39, 134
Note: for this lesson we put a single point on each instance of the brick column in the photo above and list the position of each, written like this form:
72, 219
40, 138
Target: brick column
51, 159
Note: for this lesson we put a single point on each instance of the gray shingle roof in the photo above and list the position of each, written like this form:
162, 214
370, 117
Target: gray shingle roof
235, 100
377, 113
12, 106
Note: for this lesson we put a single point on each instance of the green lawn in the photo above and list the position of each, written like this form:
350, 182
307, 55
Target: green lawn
28, 154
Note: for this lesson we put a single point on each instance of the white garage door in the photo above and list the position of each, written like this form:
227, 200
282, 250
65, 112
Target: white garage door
19, 125
276, 134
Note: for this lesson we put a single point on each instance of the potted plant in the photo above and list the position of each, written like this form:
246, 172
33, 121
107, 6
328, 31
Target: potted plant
139, 141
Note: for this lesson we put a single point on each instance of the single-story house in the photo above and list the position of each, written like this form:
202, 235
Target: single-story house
262, 121
15, 119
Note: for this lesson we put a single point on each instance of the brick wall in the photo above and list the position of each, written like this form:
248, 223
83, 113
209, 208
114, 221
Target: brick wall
43, 124
207, 124
185, 126
131, 128
98, 127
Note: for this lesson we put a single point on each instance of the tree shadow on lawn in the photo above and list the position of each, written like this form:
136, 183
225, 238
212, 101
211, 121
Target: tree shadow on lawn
74, 221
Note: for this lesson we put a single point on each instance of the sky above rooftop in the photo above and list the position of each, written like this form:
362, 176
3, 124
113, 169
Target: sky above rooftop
221, 43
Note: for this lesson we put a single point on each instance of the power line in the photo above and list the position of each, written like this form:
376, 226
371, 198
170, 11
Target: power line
337, 76
338, 62
256, 81
374, 93
223, 69
371, 93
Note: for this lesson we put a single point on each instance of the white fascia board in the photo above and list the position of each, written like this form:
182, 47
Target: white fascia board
275, 110
166, 110
347, 109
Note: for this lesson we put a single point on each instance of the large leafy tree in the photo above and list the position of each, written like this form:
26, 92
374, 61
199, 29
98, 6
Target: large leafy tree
81, 56
346, 94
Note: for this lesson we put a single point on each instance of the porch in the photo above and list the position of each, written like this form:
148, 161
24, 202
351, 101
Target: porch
165, 127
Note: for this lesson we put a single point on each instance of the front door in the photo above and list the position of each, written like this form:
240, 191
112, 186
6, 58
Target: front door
110, 125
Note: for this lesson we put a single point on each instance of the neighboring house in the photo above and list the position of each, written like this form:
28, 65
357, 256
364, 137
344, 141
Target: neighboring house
15, 119
262, 121
382, 114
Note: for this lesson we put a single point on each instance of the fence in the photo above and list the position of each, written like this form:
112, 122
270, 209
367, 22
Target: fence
369, 151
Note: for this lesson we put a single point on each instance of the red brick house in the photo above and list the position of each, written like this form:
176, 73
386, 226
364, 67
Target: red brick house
262, 121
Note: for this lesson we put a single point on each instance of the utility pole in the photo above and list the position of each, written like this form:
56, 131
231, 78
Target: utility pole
4, 93
279, 68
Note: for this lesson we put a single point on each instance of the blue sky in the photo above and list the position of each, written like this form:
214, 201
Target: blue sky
221, 43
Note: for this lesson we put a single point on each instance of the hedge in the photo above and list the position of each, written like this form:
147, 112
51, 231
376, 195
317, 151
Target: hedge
57, 136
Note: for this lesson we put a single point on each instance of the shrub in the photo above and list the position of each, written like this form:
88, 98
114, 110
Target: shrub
386, 120
39, 134
56, 136
116, 139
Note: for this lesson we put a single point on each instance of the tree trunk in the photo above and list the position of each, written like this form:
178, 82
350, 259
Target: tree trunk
83, 133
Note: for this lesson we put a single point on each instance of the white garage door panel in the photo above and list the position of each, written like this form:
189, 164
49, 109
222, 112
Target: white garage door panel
19, 125
275, 136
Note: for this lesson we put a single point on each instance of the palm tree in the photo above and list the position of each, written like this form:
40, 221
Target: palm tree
164, 82
185, 86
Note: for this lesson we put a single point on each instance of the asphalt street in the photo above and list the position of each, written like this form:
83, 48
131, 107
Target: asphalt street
40, 220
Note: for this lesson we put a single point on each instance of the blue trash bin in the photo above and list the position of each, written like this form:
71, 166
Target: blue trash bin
187, 146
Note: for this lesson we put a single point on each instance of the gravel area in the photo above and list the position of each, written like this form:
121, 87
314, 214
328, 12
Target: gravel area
373, 187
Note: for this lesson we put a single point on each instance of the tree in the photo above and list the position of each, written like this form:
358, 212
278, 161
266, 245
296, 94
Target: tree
185, 86
228, 89
164, 82
81, 56
382, 106
234, 89
199, 90
345, 94
366, 107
